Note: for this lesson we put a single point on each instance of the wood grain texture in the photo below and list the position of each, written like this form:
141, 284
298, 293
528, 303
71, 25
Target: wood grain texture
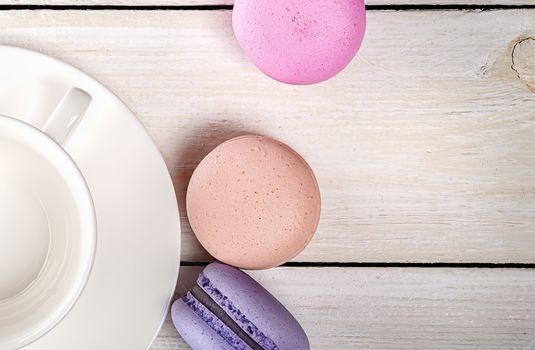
424, 146
353, 308
230, 2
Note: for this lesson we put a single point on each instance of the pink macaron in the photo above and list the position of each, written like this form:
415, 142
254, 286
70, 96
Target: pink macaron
299, 41
253, 202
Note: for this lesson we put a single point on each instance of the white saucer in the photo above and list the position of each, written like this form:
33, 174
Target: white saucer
138, 249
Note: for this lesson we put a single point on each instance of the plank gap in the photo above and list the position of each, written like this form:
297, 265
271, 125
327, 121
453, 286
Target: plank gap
387, 7
391, 264
119, 7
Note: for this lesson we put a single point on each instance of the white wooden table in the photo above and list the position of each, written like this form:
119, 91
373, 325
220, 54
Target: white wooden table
424, 148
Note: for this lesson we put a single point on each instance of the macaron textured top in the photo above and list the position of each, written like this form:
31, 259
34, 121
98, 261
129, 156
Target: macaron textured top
253, 202
299, 41
227, 309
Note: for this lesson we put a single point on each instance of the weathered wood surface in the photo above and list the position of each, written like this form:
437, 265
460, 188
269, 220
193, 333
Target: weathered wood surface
377, 308
424, 146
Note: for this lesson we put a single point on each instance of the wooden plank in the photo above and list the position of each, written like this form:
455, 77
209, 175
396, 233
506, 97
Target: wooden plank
230, 2
377, 308
424, 147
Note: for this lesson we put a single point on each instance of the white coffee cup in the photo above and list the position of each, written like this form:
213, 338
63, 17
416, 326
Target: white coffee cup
47, 224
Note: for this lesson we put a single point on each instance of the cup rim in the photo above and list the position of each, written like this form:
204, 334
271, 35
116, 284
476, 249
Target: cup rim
88, 228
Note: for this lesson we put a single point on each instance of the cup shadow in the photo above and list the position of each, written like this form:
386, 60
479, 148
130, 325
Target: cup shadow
187, 280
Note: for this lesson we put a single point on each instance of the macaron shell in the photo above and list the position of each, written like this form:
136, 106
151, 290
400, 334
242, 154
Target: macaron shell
259, 306
253, 202
299, 42
198, 334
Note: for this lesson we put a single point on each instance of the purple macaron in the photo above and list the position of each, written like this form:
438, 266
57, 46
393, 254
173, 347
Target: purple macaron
229, 310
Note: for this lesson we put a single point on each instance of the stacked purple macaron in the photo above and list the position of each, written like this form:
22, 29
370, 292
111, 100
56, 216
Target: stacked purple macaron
227, 309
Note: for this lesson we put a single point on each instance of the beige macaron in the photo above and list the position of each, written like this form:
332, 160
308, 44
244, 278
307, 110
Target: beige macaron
253, 202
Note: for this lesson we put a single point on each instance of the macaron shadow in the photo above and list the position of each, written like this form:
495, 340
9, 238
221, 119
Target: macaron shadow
194, 145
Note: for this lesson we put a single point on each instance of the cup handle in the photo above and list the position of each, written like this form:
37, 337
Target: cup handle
67, 115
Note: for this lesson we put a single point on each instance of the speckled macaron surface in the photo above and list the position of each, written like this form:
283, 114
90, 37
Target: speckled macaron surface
253, 202
299, 41
228, 310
